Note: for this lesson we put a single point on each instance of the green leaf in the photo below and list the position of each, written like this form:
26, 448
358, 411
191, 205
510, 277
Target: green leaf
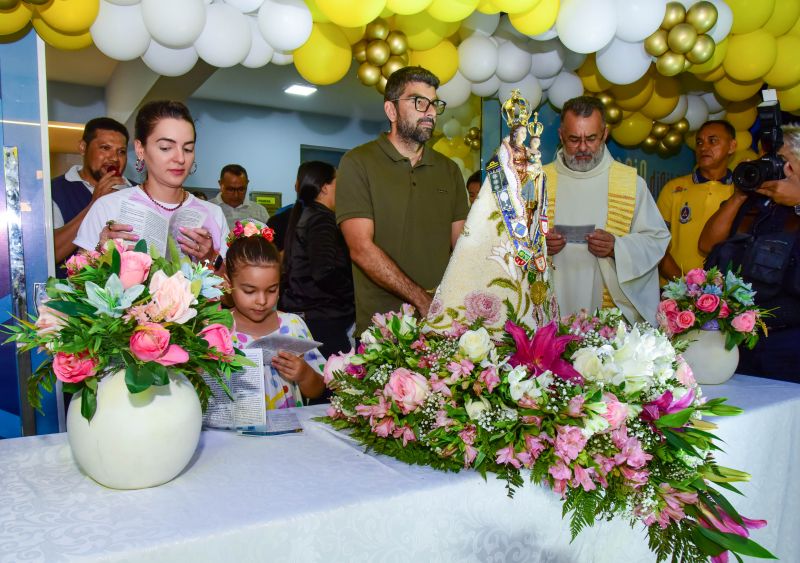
88, 403
160, 373
675, 420
707, 546
71, 309
71, 387
116, 261
138, 378
141, 246
737, 544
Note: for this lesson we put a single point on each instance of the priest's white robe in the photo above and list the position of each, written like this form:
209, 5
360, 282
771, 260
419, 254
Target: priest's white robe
632, 274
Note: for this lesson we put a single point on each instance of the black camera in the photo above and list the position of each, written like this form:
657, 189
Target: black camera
750, 174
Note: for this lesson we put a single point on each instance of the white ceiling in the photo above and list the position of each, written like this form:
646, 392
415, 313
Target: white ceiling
260, 87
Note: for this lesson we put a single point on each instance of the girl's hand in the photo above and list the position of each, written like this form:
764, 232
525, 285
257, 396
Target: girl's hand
196, 243
294, 368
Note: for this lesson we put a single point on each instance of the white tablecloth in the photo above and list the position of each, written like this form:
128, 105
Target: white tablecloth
319, 497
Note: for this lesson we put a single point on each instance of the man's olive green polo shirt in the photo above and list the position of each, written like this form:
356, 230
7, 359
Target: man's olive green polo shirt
412, 209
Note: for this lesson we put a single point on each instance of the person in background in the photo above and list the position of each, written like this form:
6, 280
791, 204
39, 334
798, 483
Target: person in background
279, 222
474, 186
318, 282
232, 197
686, 203
104, 148
199, 195
401, 205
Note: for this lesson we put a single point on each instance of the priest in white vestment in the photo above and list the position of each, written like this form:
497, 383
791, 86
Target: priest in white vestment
607, 235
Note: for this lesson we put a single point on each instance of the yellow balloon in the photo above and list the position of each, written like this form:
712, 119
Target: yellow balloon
452, 10
59, 40
325, 58
743, 140
743, 114
351, 13
423, 30
70, 16
666, 92
407, 7
316, 14
795, 28
592, 80
716, 74
742, 155
354, 34
633, 96
487, 7
632, 130
749, 15
783, 17
736, 90
442, 60
13, 20
785, 73
691, 142
750, 55
538, 20
515, 6
790, 98
714, 62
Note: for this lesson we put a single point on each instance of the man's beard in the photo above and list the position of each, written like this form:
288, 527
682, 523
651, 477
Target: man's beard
415, 131
573, 163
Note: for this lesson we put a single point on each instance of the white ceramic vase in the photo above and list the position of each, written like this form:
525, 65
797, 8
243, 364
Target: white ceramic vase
140, 440
711, 363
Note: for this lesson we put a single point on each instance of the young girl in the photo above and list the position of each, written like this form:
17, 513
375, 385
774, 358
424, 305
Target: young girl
253, 271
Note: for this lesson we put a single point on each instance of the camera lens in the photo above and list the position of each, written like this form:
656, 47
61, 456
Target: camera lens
747, 175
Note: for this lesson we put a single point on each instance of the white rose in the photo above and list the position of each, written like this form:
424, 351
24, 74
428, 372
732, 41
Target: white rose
475, 344
588, 363
519, 383
475, 408
367, 338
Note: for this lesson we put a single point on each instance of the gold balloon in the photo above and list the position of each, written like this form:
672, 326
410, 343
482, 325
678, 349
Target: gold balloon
377, 29
687, 64
656, 43
681, 38
702, 16
674, 14
467, 141
673, 139
659, 130
405, 58
605, 98
663, 150
398, 43
670, 64
378, 52
650, 144
360, 51
613, 114
475, 144
369, 74
381, 85
393, 64
702, 50
474, 133
681, 126
8, 4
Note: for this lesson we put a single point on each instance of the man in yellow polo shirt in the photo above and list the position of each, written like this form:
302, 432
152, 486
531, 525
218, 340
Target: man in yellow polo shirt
686, 203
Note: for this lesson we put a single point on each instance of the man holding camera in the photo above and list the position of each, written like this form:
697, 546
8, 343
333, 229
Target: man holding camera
758, 230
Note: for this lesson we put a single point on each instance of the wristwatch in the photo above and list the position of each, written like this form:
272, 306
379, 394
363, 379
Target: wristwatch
797, 209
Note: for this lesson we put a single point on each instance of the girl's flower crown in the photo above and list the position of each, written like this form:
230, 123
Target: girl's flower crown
249, 229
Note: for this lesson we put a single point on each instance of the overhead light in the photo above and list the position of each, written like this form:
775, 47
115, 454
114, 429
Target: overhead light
300, 90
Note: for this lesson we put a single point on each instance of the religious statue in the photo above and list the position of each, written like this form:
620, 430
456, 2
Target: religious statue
501, 256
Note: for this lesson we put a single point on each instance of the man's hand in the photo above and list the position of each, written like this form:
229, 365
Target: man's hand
782, 192
107, 184
555, 242
601, 243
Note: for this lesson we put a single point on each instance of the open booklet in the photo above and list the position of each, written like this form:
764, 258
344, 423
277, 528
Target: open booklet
153, 227
254, 396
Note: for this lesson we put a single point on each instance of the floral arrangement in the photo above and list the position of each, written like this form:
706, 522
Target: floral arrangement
127, 308
249, 229
608, 416
709, 300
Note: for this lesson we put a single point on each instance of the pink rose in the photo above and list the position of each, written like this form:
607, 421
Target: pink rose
134, 268
336, 362
480, 304
684, 320
251, 229
724, 310
49, 320
696, 276
744, 322
668, 306
172, 298
684, 373
407, 389
73, 368
76, 263
707, 302
150, 343
219, 340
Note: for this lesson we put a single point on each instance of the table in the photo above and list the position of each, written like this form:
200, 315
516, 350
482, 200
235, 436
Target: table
319, 497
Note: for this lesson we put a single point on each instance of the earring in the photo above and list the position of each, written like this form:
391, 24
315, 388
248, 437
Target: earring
139, 166
193, 169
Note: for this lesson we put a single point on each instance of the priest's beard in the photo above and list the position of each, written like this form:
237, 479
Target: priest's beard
573, 163
415, 132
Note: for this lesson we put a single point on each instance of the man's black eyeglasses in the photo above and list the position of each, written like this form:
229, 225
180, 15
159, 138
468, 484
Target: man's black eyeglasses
421, 104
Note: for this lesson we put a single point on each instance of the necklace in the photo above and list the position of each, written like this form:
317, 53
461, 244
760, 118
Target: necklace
164, 207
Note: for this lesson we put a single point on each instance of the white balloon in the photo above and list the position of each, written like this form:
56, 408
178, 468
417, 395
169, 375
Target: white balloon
452, 128
245, 6
282, 58
545, 35
718, 115
484, 24
487, 88
696, 112
175, 24
512, 62
476, 121
456, 91
260, 51
169, 62
547, 83
528, 87
573, 60
124, 2
114, 21
506, 30
636, 19
586, 26
477, 58
621, 62
285, 24
713, 103
722, 28
547, 58
225, 40
679, 112
566, 86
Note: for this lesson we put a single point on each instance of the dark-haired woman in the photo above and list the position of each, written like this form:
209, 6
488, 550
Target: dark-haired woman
164, 144
317, 280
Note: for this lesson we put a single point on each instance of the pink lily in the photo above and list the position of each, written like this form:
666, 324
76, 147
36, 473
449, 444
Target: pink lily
728, 525
543, 352
665, 404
